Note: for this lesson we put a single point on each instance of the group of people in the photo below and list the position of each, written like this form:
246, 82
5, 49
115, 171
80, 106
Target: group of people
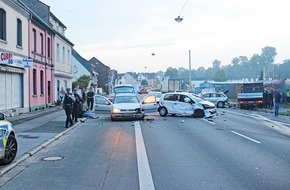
272, 99
76, 103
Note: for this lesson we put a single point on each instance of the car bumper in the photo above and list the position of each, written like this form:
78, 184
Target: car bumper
211, 112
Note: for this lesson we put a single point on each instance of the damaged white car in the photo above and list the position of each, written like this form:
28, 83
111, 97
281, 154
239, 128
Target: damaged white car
183, 103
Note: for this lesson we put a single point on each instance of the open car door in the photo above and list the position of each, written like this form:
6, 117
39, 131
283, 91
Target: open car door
149, 104
102, 104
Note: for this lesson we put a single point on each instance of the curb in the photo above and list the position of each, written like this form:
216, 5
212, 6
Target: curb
30, 153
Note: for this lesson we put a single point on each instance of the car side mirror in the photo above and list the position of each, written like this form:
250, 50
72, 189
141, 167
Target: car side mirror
2, 116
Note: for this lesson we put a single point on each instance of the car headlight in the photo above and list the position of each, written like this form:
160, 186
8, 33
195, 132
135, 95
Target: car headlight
116, 110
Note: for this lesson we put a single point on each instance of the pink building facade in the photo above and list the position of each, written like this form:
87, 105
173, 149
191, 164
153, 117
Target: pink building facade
41, 75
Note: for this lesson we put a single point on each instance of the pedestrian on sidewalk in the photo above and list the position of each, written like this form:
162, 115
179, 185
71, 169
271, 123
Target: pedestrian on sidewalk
67, 105
90, 98
288, 96
77, 110
277, 102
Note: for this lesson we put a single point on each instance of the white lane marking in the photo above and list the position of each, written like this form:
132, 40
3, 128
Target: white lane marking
211, 122
246, 137
275, 125
145, 177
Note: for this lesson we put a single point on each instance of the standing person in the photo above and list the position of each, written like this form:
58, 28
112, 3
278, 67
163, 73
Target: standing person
61, 94
277, 102
76, 106
67, 105
288, 96
90, 98
84, 94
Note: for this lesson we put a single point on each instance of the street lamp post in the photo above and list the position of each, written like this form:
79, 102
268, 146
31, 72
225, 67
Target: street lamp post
189, 72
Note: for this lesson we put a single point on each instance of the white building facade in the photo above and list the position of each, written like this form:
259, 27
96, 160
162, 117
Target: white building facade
63, 73
14, 79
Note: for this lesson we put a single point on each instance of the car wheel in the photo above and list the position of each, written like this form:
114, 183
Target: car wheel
163, 111
220, 104
10, 150
113, 119
199, 113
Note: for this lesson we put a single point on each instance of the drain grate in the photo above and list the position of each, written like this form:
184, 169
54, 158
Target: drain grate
52, 158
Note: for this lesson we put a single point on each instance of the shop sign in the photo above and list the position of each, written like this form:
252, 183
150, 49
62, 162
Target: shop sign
15, 61
5, 56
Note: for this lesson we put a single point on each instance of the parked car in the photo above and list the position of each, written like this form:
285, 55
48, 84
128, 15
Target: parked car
183, 103
8, 142
218, 98
126, 106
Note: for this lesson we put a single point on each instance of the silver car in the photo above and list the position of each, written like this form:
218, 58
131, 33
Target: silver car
219, 99
183, 103
8, 142
126, 106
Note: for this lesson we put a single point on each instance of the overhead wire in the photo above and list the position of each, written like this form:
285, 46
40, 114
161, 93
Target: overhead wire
183, 7
170, 28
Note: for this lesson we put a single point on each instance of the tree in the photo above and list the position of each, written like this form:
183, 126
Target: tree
267, 59
284, 69
216, 65
172, 73
83, 81
219, 76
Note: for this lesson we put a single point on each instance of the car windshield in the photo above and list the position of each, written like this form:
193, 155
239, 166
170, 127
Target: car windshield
157, 94
254, 87
126, 99
124, 89
196, 98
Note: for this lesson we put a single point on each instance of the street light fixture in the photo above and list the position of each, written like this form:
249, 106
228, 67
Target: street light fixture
178, 19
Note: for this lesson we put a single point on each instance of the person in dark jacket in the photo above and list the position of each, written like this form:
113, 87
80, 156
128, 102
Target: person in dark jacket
67, 105
90, 99
77, 106
277, 102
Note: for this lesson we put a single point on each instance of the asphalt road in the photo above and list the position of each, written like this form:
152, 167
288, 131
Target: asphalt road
235, 150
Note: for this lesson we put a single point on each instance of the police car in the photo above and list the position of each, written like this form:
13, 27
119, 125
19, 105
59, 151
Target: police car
8, 142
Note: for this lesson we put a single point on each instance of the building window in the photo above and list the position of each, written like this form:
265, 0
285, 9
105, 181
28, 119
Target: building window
41, 44
63, 54
57, 52
48, 47
2, 25
34, 40
34, 82
19, 32
65, 84
41, 83
57, 85
68, 57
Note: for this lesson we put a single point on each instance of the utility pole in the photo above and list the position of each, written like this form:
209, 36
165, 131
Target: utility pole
189, 72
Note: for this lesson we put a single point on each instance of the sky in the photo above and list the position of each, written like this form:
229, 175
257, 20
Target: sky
124, 34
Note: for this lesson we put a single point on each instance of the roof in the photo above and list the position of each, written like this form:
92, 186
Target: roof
82, 60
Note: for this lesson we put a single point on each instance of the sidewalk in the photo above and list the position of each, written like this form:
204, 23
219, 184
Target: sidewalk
284, 112
31, 115
36, 130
